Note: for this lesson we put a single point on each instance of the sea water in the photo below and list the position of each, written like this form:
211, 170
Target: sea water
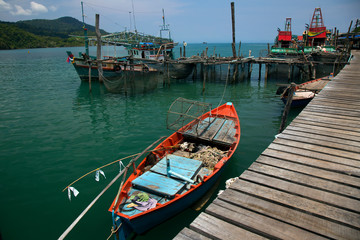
53, 130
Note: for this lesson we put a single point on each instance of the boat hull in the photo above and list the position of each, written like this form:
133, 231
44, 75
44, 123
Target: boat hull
148, 221
178, 199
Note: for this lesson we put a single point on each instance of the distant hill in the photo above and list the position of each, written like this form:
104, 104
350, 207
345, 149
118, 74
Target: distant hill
41, 33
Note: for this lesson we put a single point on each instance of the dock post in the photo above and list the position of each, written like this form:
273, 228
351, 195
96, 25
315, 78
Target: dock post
239, 49
194, 76
180, 51
98, 49
205, 75
266, 71
289, 72
287, 107
314, 73
89, 76
233, 29
259, 71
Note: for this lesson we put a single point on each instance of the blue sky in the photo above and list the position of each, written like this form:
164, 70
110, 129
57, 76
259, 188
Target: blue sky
192, 20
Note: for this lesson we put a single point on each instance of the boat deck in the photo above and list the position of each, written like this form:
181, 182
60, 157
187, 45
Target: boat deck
217, 130
306, 184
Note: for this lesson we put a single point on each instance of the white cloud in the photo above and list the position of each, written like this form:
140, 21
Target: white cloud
38, 8
35, 8
52, 8
5, 5
21, 11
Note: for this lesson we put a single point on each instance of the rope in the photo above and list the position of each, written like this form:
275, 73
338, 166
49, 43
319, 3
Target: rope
227, 77
98, 169
113, 231
134, 155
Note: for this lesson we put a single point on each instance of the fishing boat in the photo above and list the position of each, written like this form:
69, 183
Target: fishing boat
305, 92
180, 170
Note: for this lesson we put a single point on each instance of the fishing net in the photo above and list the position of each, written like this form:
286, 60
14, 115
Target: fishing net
182, 111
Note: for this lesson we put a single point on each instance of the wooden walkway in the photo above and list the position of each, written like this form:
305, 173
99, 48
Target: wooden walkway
306, 184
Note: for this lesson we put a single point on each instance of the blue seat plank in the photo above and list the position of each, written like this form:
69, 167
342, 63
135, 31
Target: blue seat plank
184, 166
158, 184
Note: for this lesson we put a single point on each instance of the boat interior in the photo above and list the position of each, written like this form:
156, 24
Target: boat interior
174, 172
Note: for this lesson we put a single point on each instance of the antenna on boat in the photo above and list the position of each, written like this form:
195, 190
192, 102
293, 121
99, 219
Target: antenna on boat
164, 27
85, 30
133, 11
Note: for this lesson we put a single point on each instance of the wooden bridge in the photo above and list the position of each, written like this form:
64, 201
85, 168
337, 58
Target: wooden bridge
306, 184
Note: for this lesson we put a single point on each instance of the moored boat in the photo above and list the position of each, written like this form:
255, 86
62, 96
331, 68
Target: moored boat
305, 92
180, 170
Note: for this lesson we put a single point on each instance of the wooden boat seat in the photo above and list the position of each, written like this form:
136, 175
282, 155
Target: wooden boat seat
157, 182
218, 130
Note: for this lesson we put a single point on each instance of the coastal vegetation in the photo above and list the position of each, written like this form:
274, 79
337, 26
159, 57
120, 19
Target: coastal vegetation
41, 33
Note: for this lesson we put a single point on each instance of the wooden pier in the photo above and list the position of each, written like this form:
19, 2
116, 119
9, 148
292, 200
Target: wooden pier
306, 184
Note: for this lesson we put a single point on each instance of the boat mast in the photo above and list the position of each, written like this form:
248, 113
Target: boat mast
165, 27
85, 30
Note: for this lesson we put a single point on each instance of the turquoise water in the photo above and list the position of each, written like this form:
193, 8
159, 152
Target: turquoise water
53, 130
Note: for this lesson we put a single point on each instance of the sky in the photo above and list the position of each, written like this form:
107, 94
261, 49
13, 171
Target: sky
192, 21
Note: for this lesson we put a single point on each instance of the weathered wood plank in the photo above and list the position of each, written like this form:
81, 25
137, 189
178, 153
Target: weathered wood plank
314, 122
188, 234
343, 113
351, 135
214, 228
308, 165
303, 204
289, 215
257, 223
332, 120
321, 141
277, 170
324, 135
303, 191
326, 150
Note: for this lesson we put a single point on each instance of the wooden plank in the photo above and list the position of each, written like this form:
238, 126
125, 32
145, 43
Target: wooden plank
316, 155
326, 150
343, 113
158, 184
188, 234
315, 167
257, 223
333, 114
303, 191
292, 216
184, 166
341, 216
331, 120
321, 141
210, 131
318, 133
226, 133
351, 135
214, 228
324, 124
296, 175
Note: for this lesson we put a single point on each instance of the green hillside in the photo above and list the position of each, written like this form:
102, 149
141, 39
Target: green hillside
41, 33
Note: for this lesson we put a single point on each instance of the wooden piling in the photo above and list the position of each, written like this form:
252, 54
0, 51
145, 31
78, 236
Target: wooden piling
180, 51
287, 107
89, 76
98, 49
259, 71
289, 71
233, 29
204, 79
266, 71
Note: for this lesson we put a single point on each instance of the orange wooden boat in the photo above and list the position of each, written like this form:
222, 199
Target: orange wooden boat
175, 175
